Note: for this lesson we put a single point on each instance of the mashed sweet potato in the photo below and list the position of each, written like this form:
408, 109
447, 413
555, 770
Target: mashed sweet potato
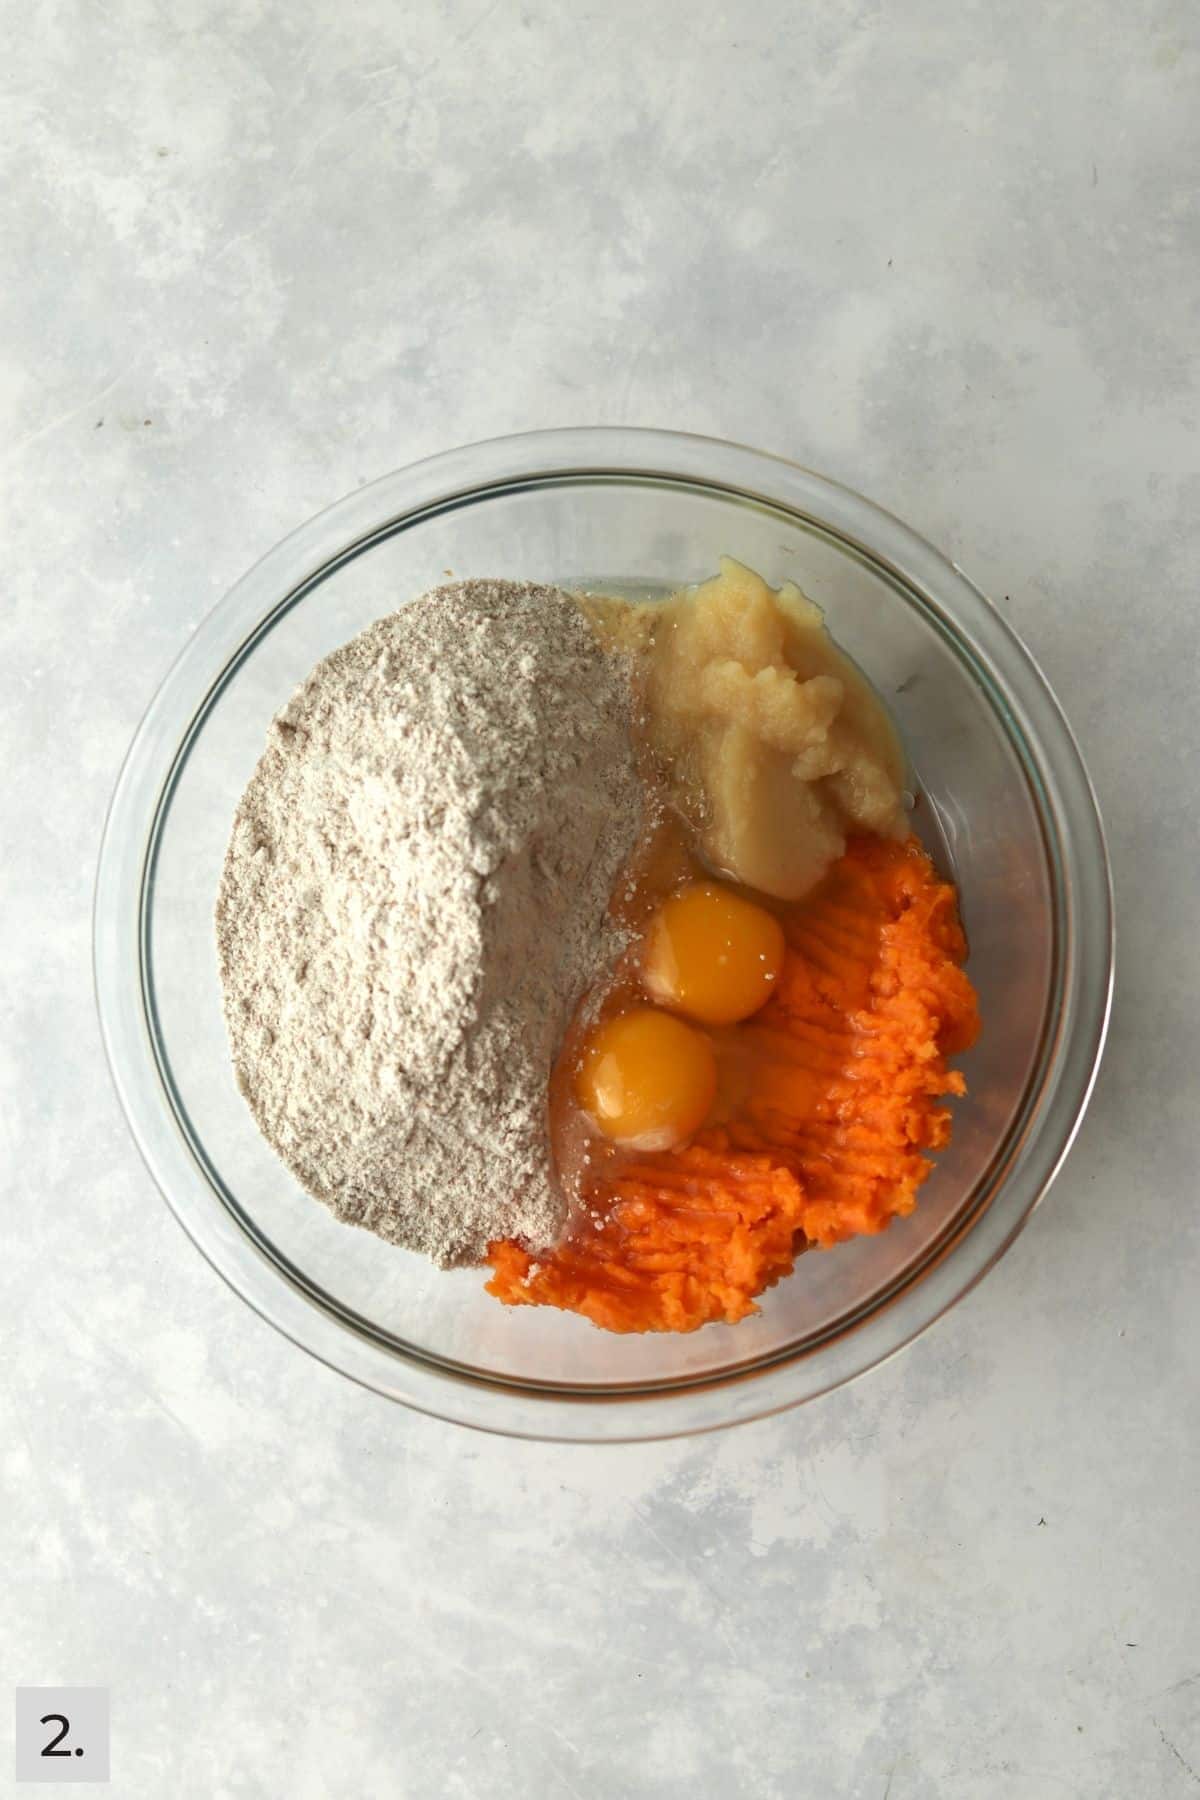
841, 1106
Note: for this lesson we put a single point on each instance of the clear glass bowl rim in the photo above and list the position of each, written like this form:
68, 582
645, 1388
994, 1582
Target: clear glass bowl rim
1033, 720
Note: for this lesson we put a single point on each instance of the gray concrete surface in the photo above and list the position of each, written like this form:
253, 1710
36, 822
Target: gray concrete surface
254, 255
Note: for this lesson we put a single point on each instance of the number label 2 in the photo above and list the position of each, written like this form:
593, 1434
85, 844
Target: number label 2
61, 1734
51, 1749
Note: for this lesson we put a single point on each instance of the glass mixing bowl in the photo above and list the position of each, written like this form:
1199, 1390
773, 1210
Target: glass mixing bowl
1003, 801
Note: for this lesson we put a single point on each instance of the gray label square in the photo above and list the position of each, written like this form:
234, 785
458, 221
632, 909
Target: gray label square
45, 1752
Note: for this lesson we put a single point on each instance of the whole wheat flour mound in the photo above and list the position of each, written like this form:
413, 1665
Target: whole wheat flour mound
413, 903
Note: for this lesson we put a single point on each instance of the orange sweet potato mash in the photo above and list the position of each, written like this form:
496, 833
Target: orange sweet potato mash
836, 1090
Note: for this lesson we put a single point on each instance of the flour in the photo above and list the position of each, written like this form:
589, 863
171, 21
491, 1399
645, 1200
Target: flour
414, 902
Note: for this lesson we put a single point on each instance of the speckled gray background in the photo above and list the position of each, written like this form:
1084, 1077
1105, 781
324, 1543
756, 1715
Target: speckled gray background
254, 255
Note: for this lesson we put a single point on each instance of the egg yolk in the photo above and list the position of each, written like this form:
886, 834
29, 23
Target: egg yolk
712, 955
646, 1080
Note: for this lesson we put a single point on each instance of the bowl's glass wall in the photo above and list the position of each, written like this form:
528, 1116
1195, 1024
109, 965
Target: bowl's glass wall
976, 810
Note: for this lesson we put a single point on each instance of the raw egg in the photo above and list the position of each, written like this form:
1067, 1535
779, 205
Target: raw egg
646, 1080
712, 955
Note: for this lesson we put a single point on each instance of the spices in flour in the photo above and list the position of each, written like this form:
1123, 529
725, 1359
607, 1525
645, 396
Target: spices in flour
414, 901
